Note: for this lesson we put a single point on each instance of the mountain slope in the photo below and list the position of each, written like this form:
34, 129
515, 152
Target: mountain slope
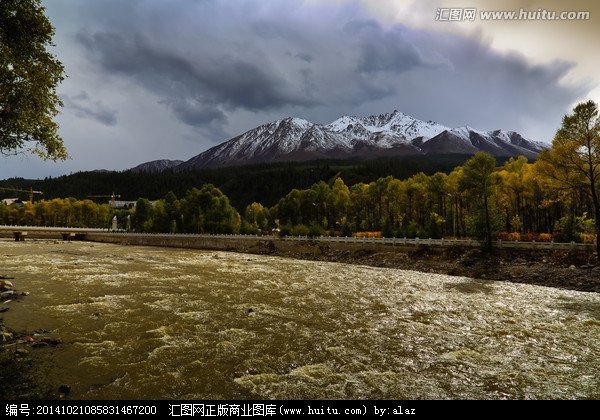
156, 165
469, 141
290, 139
385, 135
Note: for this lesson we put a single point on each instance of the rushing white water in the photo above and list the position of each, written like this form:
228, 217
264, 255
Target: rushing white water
166, 323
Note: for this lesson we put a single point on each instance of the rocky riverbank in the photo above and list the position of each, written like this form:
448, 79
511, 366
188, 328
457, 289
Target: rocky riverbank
18, 378
574, 270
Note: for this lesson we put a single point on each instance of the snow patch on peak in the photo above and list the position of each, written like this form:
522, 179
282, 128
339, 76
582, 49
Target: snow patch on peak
464, 131
300, 122
461, 129
397, 125
342, 123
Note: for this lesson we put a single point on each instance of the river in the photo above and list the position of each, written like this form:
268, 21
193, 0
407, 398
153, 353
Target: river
141, 322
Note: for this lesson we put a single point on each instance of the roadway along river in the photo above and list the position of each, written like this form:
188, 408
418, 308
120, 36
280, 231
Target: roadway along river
168, 323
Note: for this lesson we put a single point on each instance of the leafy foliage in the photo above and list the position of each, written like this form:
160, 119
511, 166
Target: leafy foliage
573, 162
29, 75
58, 212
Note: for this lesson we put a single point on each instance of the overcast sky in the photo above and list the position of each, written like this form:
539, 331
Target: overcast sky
154, 79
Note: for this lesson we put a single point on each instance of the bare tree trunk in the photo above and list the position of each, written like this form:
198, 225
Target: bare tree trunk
488, 226
596, 203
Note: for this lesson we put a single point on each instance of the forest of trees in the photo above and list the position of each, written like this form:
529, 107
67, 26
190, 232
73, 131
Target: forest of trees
555, 197
265, 183
57, 212
521, 202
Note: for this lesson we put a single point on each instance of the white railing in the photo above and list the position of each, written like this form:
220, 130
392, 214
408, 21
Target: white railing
329, 239
25, 228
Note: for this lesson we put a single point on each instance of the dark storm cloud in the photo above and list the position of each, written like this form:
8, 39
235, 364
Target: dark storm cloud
208, 60
195, 113
198, 89
384, 50
83, 107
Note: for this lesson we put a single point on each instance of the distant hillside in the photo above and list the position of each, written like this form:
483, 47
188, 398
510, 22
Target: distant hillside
156, 166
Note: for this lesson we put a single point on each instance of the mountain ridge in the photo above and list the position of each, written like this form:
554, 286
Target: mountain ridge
384, 135
158, 165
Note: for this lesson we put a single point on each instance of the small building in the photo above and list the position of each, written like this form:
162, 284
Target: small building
11, 201
122, 204
126, 205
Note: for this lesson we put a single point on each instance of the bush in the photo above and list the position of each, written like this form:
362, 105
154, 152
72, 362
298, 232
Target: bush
388, 230
315, 229
285, 230
529, 237
300, 230
249, 229
367, 234
587, 238
346, 229
413, 230
545, 237
435, 225
570, 228
514, 236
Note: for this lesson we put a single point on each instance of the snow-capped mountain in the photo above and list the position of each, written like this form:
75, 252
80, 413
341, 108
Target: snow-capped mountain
385, 135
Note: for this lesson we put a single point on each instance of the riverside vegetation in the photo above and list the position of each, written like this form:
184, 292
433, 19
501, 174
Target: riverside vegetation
522, 205
557, 196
